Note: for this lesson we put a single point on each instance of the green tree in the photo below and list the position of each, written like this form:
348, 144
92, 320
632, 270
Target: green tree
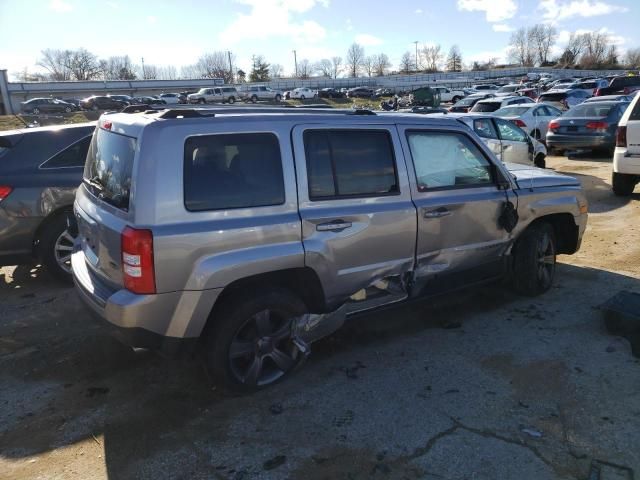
260, 70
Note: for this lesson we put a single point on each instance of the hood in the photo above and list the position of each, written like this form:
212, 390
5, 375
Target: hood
531, 177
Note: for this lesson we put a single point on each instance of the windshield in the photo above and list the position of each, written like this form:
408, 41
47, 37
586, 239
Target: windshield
202, 90
511, 111
465, 102
508, 88
108, 168
486, 107
597, 110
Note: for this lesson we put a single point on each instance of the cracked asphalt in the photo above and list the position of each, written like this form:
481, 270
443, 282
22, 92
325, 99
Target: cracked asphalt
478, 385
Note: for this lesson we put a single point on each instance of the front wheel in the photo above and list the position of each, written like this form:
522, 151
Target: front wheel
232, 100
36, 111
278, 98
534, 264
623, 184
254, 99
540, 161
67, 109
251, 346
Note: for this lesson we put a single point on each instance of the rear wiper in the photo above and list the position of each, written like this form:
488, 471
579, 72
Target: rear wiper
95, 182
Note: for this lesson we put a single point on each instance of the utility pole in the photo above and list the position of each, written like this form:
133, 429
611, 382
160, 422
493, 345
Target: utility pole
144, 76
295, 61
230, 66
416, 42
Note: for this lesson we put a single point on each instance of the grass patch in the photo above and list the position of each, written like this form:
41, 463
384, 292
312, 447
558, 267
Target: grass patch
13, 122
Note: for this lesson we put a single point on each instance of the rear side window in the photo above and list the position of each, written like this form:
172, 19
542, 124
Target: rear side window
72, 156
484, 128
348, 163
232, 171
107, 172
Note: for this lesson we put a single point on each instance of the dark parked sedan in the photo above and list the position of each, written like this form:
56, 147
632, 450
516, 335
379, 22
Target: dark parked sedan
40, 169
47, 105
588, 125
360, 92
330, 93
467, 103
102, 103
148, 101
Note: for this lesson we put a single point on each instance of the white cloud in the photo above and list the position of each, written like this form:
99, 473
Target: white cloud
349, 25
113, 5
60, 6
152, 19
418, 11
274, 18
495, 10
502, 27
500, 56
368, 40
555, 11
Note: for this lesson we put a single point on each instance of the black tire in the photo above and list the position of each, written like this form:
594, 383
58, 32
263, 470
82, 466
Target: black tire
67, 109
202, 101
54, 242
231, 100
623, 184
540, 161
302, 97
534, 262
238, 322
254, 99
36, 111
455, 99
278, 98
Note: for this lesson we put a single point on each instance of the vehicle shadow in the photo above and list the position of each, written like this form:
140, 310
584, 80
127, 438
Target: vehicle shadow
153, 416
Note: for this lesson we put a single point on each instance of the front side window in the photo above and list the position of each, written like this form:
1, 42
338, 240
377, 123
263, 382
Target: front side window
72, 156
347, 163
508, 131
232, 171
445, 160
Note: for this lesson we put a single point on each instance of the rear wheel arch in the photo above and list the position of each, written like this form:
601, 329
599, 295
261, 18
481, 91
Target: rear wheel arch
46, 223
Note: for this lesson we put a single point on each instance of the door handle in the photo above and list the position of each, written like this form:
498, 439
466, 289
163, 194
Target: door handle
438, 213
333, 226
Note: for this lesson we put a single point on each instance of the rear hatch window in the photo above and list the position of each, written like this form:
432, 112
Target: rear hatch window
486, 107
107, 173
552, 97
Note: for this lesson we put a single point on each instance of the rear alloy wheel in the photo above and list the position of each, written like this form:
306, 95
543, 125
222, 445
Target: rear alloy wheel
231, 100
540, 161
56, 246
623, 185
251, 345
36, 111
534, 263
254, 99
67, 109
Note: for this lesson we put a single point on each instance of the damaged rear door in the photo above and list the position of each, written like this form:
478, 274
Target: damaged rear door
358, 219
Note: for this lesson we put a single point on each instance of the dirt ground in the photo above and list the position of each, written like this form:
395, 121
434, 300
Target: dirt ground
482, 385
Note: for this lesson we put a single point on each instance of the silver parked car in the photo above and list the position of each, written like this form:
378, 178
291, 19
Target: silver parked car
255, 234
533, 118
254, 93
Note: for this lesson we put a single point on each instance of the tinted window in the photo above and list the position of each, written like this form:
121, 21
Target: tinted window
444, 160
349, 163
595, 109
73, 156
107, 172
232, 171
635, 113
486, 107
508, 131
484, 128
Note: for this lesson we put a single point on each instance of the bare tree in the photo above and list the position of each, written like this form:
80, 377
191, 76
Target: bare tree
454, 59
368, 65
148, 72
305, 69
406, 62
189, 71
596, 45
336, 66
543, 38
572, 50
213, 65
167, 72
82, 64
117, 68
632, 58
355, 57
381, 64
431, 55
276, 70
521, 48
325, 67
612, 56
55, 62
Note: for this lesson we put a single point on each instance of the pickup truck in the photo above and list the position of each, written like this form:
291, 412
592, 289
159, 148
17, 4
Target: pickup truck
449, 96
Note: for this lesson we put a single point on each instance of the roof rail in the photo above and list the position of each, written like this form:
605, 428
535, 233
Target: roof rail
185, 113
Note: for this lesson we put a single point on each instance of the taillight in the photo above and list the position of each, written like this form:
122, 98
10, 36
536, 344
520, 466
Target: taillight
518, 122
596, 93
137, 260
554, 125
5, 190
598, 125
621, 137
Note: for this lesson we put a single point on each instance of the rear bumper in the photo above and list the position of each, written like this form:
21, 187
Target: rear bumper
625, 162
580, 141
170, 322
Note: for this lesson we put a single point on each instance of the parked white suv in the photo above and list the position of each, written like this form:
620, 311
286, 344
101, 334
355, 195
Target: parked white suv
626, 157
214, 95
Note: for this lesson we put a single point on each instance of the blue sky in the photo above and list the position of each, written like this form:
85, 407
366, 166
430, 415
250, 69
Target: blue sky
176, 33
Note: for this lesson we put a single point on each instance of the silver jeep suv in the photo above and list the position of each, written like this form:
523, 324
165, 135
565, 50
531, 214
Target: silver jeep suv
253, 233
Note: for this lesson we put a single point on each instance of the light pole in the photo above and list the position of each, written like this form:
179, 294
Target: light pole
416, 43
230, 66
295, 61
144, 76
